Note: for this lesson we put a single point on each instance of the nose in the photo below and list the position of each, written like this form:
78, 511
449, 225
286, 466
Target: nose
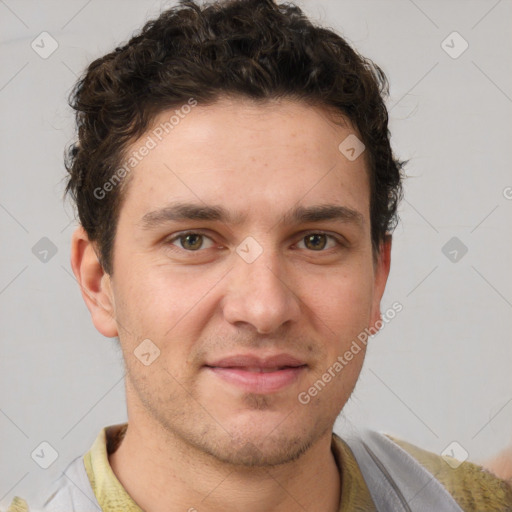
260, 294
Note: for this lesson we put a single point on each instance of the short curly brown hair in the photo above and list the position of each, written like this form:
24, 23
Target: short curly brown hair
250, 48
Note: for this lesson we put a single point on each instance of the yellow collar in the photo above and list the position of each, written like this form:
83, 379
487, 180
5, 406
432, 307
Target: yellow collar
112, 496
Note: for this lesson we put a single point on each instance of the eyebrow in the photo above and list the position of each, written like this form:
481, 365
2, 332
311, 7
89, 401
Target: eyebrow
323, 212
298, 215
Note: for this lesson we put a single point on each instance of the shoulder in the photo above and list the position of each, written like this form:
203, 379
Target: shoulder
473, 487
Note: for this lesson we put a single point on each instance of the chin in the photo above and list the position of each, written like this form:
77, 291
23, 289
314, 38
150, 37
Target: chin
253, 450
260, 439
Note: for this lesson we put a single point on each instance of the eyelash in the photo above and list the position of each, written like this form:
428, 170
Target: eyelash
339, 241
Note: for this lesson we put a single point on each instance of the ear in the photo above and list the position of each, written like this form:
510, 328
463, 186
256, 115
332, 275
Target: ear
94, 282
381, 273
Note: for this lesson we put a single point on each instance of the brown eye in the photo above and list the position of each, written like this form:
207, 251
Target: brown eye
319, 241
316, 241
191, 241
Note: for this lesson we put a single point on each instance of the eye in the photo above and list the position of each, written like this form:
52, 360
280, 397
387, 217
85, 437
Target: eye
191, 241
318, 241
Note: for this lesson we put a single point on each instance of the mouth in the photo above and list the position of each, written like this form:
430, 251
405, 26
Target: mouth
254, 374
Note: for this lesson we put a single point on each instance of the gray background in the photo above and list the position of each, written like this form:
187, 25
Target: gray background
439, 372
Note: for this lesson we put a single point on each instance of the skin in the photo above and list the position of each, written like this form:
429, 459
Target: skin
194, 439
501, 464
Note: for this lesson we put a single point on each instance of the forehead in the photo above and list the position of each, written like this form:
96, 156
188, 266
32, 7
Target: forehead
260, 157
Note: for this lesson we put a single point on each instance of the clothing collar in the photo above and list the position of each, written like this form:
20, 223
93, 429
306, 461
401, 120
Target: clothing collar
112, 496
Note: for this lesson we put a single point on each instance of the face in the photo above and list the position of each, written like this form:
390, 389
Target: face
243, 253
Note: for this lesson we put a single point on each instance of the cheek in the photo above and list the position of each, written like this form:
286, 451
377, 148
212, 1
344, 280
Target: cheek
342, 299
143, 308
153, 292
168, 308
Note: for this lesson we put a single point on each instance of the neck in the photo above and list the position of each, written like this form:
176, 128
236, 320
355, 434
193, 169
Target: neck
162, 474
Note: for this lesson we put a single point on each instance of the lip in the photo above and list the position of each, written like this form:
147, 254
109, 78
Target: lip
257, 374
254, 360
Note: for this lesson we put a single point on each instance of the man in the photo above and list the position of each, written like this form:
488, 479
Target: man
236, 192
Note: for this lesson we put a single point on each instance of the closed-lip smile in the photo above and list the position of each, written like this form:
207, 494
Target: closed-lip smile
258, 374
